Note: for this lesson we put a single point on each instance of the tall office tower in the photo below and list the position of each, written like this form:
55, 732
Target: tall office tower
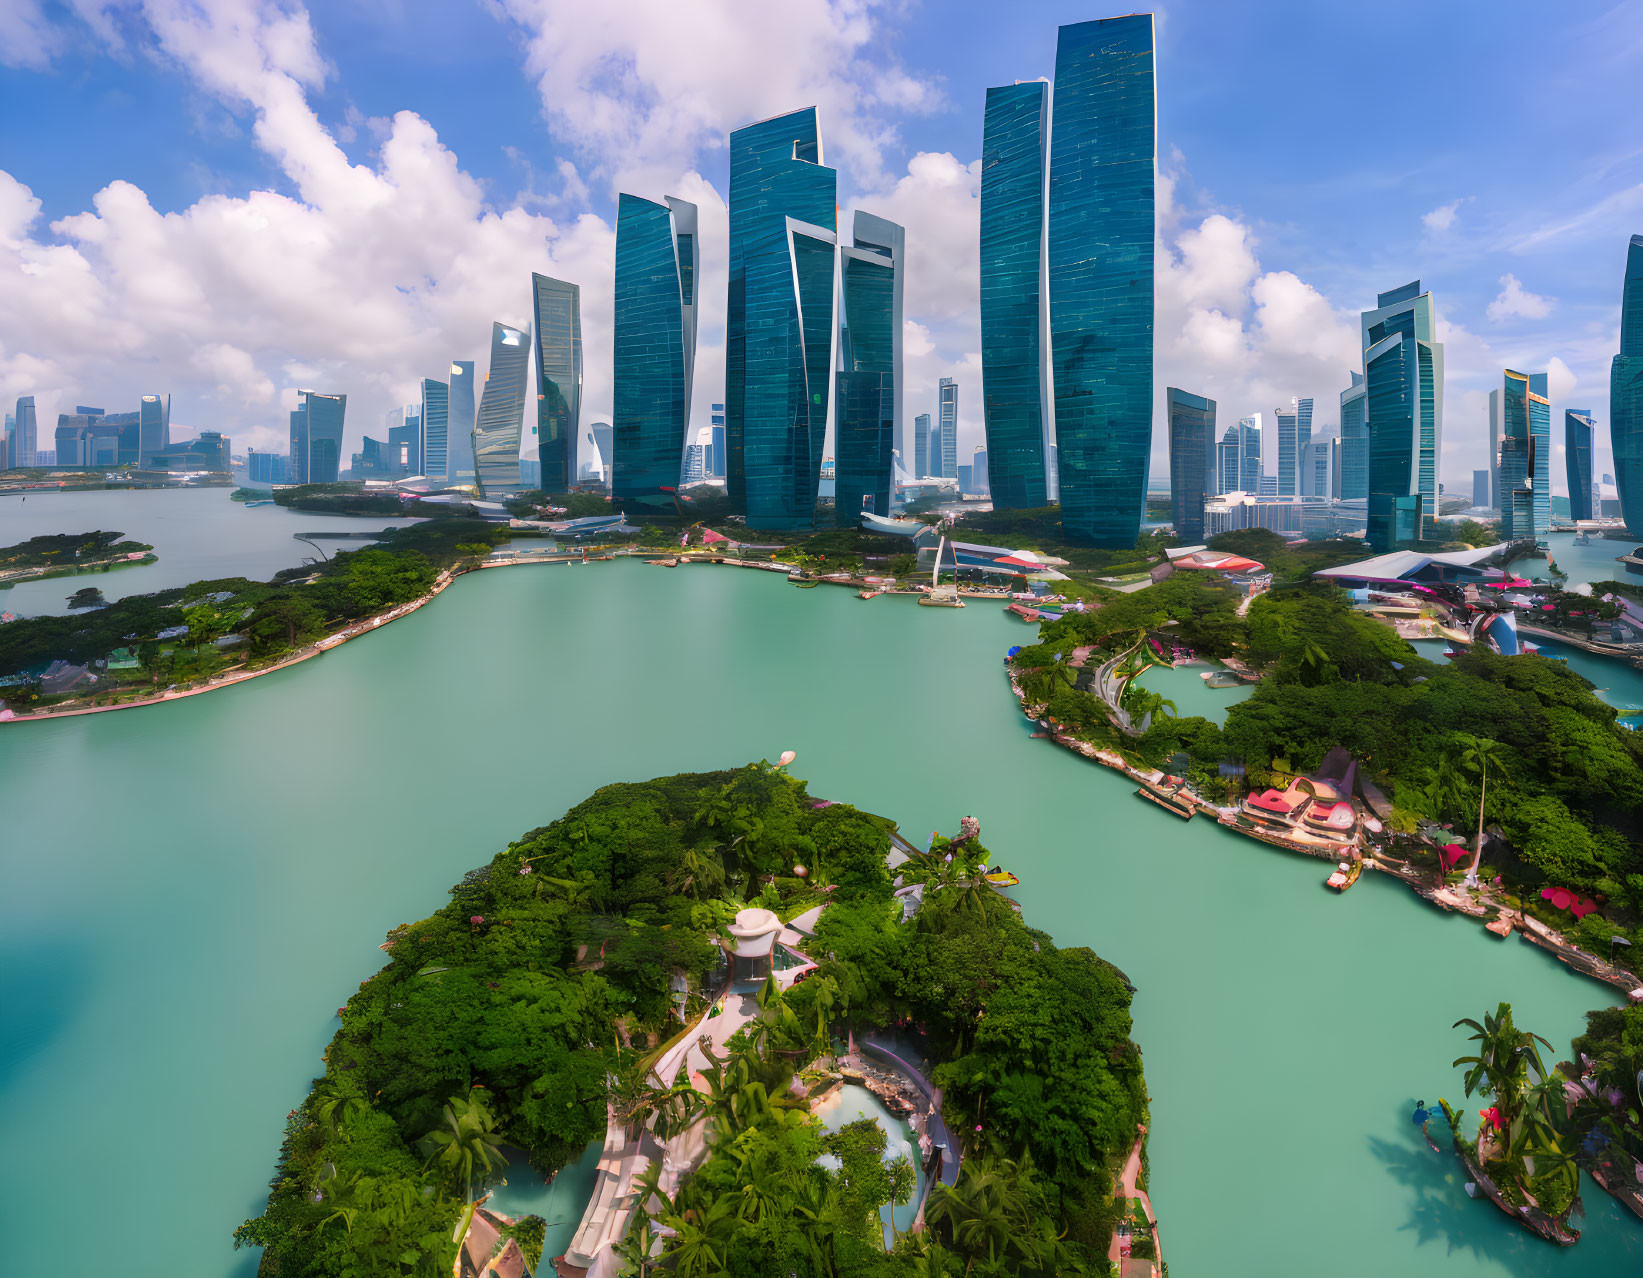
718, 455
1191, 460
1626, 394
1294, 432
1494, 447
316, 437
1525, 457
154, 426
602, 434
25, 441
460, 468
779, 319
694, 469
1354, 484
888, 239
948, 391
1403, 366
979, 473
1103, 157
559, 369
921, 446
1480, 488
1249, 453
1229, 460
8, 443
657, 266
1579, 435
436, 420
1319, 457
1013, 345
404, 449
870, 377
501, 413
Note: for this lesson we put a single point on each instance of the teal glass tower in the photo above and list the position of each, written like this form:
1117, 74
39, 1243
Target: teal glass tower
1191, 460
436, 420
871, 275
460, 471
1103, 156
1012, 293
1294, 434
1525, 457
316, 437
657, 266
558, 317
1579, 435
779, 320
1626, 394
1403, 374
1354, 441
501, 413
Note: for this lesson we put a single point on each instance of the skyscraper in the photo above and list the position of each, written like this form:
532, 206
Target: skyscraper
1294, 432
1103, 156
948, 405
979, 474
657, 265
153, 426
870, 379
1320, 456
1481, 495
1525, 457
1013, 342
779, 319
1494, 447
558, 312
436, 419
1229, 460
717, 466
889, 239
316, 437
460, 470
501, 413
1249, 453
1403, 366
1626, 394
1354, 485
1191, 460
1579, 433
921, 446
25, 438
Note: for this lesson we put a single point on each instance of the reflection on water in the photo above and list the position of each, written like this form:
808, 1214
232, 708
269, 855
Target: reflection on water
560, 1204
848, 1103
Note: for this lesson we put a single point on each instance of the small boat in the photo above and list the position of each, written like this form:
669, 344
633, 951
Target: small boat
1346, 874
1583, 538
869, 594
1169, 800
1000, 877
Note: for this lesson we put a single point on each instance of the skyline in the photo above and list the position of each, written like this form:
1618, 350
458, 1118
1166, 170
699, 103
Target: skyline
1243, 244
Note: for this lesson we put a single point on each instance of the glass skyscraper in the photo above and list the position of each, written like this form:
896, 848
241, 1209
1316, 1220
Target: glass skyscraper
1626, 394
1525, 457
153, 426
1494, 448
1191, 460
657, 266
1103, 156
921, 446
871, 273
779, 319
1354, 482
316, 437
1294, 433
1013, 347
558, 314
1403, 369
460, 471
501, 413
1579, 432
25, 437
948, 405
436, 420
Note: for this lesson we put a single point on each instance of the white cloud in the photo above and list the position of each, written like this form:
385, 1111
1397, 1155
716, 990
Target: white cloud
1515, 300
1443, 217
1560, 380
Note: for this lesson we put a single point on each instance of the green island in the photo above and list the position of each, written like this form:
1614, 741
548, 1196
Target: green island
67, 554
686, 969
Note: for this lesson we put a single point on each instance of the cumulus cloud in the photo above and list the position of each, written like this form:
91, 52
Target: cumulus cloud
1515, 300
1441, 218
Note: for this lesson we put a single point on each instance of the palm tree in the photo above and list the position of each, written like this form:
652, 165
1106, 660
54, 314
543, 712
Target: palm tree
1476, 756
467, 1139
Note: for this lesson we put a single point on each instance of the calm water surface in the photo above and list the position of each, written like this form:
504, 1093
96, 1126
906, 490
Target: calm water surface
191, 890
198, 533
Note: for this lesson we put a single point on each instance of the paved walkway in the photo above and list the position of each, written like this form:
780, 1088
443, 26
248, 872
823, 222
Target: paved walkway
1126, 1182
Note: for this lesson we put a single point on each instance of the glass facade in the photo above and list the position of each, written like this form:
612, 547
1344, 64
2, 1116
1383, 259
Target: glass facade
153, 426
1012, 294
436, 420
655, 350
1626, 394
1294, 433
1579, 433
947, 404
1103, 156
779, 319
1525, 457
501, 413
1403, 371
1191, 460
1494, 448
25, 445
921, 445
870, 352
316, 437
460, 471
1354, 480
557, 310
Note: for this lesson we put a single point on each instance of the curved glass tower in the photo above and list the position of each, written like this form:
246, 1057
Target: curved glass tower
558, 314
1579, 434
779, 319
657, 265
1191, 460
1103, 157
869, 384
1012, 295
501, 413
1626, 394
1403, 372
459, 430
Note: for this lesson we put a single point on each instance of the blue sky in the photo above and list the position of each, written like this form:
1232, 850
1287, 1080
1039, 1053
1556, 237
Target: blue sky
284, 222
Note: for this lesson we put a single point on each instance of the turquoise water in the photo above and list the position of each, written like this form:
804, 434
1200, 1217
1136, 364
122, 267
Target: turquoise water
560, 1204
1592, 562
1185, 686
192, 890
850, 1102
198, 533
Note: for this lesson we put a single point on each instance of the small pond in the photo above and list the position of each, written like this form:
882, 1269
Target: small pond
848, 1103
561, 1203
1186, 687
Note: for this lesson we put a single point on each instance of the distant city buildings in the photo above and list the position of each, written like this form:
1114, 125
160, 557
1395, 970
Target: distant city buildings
501, 413
1403, 369
1192, 448
461, 469
550, 456
947, 424
316, 437
980, 476
1354, 481
921, 446
1579, 437
1495, 419
436, 426
1525, 457
716, 458
779, 321
153, 427
23, 445
869, 382
1320, 467
1294, 433
266, 468
1626, 394
210, 450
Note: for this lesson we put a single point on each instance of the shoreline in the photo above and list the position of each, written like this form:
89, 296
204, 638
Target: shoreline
80, 570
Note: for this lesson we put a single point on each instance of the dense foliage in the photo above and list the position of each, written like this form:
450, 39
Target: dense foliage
350, 498
66, 550
544, 989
